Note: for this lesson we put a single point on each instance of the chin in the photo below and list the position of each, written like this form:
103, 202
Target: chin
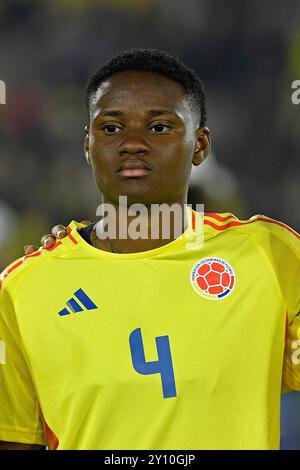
135, 194
134, 198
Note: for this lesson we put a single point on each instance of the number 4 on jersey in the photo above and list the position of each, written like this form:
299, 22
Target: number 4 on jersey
163, 366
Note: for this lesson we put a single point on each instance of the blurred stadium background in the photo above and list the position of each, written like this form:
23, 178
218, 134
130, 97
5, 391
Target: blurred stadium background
247, 54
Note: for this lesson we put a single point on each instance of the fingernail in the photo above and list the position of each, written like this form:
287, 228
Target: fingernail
60, 232
45, 240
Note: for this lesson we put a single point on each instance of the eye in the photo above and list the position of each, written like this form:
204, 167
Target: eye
111, 129
160, 128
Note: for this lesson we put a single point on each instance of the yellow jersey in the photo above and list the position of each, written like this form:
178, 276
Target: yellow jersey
179, 347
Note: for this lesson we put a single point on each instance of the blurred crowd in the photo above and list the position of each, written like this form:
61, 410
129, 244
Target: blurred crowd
247, 54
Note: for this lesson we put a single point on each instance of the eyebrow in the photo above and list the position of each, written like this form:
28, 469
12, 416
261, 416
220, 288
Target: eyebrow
109, 113
151, 112
158, 112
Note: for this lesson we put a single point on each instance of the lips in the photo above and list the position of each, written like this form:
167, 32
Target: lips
133, 168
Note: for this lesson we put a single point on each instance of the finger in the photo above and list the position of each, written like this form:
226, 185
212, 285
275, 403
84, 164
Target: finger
29, 249
59, 231
48, 240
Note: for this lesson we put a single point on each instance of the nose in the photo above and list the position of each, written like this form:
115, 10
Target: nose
133, 144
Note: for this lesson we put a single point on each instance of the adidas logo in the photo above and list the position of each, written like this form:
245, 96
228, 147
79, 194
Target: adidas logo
74, 306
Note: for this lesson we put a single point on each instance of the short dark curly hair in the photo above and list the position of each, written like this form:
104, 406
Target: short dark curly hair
153, 61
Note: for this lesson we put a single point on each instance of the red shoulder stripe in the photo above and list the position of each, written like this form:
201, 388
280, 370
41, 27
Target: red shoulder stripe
33, 255
219, 217
222, 227
52, 247
71, 236
281, 224
236, 223
19, 263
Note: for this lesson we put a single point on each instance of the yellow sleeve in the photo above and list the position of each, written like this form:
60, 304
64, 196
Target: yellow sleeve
285, 256
282, 244
20, 419
288, 262
286, 252
291, 361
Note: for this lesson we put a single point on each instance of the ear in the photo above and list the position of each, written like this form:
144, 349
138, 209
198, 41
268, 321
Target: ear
87, 144
202, 145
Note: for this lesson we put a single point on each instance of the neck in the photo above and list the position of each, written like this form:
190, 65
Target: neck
132, 229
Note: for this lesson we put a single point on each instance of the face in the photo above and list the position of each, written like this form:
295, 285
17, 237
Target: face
143, 138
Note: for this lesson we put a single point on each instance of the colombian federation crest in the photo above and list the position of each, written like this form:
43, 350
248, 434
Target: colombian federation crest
213, 278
